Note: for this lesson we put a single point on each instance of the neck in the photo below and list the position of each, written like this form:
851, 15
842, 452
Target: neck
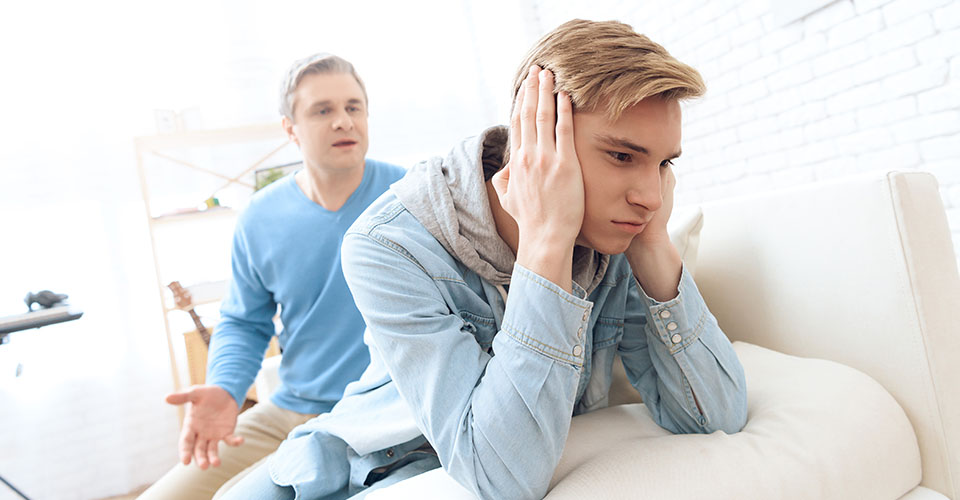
329, 188
507, 226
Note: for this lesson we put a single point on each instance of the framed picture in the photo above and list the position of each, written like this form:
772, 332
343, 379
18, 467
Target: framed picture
263, 177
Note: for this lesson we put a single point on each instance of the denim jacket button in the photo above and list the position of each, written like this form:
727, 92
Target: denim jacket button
580, 333
577, 350
671, 326
676, 338
665, 314
390, 453
586, 315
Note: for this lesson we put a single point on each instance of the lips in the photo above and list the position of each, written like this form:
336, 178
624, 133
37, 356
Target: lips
344, 143
634, 227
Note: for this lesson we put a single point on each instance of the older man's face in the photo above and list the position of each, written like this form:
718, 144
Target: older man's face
330, 121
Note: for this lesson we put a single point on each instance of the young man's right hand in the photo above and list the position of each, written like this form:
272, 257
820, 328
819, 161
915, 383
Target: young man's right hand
542, 185
211, 417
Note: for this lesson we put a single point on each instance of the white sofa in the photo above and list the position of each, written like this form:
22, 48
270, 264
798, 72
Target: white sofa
843, 300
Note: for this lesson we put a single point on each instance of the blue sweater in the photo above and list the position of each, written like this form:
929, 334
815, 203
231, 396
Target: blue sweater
286, 250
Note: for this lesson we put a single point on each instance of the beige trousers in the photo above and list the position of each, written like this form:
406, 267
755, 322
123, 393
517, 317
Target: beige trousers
263, 427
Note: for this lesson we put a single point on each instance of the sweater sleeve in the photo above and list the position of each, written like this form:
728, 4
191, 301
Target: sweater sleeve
246, 325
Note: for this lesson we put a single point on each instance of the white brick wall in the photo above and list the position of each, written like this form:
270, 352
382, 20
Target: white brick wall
857, 85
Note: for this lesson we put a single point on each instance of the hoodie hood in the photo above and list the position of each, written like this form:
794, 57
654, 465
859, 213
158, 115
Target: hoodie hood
449, 197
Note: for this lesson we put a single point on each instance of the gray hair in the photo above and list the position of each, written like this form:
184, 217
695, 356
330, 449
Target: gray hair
321, 63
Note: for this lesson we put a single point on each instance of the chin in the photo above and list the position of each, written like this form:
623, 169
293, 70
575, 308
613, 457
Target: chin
608, 246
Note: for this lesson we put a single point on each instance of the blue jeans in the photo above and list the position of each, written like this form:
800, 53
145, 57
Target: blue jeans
257, 485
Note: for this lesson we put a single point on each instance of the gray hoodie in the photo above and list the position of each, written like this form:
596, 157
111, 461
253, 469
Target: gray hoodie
448, 196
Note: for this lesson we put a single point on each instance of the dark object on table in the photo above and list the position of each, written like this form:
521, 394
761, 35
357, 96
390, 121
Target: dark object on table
45, 298
52, 310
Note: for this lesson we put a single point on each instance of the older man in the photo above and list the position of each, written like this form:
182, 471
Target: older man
286, 251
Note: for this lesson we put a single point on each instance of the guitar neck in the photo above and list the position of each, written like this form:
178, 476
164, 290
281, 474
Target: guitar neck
184, 301
200, 328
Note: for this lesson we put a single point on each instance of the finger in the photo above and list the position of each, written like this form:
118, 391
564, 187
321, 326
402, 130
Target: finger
546, 109
179, 398
501, 182
565, 145
187, 441
213, 453
200, 453
515, 122
528, 111
233, 440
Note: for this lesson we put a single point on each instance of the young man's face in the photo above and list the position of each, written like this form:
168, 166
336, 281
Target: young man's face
330, 121
622, 163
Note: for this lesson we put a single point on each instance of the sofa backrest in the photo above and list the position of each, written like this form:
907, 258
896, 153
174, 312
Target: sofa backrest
860, 271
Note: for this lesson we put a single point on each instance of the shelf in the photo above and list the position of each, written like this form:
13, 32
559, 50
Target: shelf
207, 292
176, 238
206, 138
215, 212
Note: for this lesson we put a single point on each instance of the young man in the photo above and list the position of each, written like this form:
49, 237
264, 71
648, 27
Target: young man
286, 251
497, 290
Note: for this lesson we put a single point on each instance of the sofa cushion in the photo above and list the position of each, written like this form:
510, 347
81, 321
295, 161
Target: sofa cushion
921, 493
684, 229
815, 429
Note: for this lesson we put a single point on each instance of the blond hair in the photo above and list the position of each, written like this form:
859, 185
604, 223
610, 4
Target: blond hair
607, 64
320, 63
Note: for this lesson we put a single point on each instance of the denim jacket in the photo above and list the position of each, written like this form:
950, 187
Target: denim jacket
492, 377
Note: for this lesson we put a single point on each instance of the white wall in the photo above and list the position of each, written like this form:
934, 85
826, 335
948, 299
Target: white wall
854, 86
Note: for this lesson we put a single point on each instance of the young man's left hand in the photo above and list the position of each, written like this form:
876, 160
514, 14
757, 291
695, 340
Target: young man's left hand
652, 256
656, 231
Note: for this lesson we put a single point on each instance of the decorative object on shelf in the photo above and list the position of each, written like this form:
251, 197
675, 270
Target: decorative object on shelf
45, 298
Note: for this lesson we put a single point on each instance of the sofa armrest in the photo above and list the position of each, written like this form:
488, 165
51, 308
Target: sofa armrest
860, 271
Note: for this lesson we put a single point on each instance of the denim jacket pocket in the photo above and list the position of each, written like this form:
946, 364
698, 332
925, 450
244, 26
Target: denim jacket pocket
482, 328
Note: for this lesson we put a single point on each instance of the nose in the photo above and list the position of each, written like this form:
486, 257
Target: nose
342, 121
645, 190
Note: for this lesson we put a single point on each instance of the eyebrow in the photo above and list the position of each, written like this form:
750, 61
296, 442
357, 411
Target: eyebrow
328, 102
624, 143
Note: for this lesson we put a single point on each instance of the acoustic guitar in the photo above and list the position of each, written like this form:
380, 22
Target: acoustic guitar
197, 342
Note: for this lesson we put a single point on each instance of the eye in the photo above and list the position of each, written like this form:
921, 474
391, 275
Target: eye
321, 111
620, 157
666, 163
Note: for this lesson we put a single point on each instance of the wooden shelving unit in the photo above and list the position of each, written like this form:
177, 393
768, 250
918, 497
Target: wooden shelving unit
197, 166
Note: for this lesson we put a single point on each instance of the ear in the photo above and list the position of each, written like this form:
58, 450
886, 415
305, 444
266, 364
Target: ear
287, 125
